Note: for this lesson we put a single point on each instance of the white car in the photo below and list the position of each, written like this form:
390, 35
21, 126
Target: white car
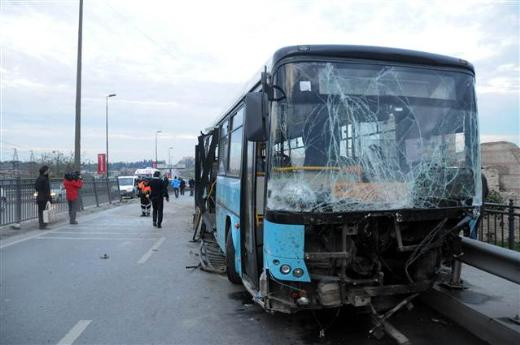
127, 186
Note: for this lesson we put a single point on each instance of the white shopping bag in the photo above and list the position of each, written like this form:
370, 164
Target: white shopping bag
47, 213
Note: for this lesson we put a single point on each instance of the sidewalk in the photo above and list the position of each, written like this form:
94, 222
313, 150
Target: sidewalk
9, 231
487, 306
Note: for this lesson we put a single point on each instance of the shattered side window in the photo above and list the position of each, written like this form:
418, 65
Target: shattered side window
361, 137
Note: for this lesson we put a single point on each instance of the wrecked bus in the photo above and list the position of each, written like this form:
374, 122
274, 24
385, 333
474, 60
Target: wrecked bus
342, 176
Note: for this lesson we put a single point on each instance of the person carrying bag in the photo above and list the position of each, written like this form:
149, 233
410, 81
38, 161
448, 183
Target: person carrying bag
43, 191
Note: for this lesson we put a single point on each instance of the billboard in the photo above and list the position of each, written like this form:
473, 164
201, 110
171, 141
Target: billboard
101, 163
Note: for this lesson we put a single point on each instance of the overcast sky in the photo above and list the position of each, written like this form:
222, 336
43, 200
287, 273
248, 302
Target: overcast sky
175, 65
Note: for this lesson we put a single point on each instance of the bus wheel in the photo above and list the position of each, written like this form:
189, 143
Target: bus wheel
230, 261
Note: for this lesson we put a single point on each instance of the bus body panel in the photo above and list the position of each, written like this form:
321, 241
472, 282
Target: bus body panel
228, 206
284, 245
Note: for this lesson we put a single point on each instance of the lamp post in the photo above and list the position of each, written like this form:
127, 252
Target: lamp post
170, 159
77, 134
106, 128
156, 132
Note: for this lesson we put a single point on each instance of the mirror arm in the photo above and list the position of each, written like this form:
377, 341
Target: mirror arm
267, 85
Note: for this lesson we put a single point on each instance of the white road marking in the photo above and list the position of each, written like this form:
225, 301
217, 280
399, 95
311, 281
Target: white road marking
149, 253
95, 238
74, 333
36, 235
101, 233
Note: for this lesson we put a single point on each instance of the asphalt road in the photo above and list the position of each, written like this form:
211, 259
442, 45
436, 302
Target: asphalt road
56, 288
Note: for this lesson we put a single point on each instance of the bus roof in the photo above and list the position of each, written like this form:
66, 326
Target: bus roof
349, 52
372, 53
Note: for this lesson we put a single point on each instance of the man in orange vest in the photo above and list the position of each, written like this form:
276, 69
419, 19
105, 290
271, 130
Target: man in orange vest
144, 194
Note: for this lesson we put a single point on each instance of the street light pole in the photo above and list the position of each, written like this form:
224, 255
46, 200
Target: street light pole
156, 132
77, 135
106, 129
170, 159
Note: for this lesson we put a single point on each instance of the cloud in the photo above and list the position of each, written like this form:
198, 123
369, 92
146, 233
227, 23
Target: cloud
176, 65
487, 138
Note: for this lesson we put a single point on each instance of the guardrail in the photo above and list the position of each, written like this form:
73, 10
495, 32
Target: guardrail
18, 198
500, 225
499, 261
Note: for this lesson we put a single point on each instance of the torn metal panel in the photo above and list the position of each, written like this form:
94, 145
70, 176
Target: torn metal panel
349, 137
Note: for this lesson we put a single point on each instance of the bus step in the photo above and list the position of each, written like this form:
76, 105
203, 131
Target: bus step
211, 257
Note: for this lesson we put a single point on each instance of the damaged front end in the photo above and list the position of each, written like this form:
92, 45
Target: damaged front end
373, 171
358, 260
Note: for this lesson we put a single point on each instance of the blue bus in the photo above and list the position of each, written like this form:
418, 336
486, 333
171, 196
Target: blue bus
342, 175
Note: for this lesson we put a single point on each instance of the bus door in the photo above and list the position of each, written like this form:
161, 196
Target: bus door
253, 189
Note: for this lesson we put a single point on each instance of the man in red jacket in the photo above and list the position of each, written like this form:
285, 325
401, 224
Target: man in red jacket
73, 184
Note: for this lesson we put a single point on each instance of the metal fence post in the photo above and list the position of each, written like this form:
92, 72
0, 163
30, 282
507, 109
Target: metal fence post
511, 215
18, 209
95, 191
108, 191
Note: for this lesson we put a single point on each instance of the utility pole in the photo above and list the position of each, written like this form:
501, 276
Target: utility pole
106, 129
77, 138
170, 159
156, 132
15, 162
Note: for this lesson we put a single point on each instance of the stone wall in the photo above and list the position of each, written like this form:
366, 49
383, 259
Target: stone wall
501, 166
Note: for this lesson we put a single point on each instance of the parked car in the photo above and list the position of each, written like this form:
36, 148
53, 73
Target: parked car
58, 193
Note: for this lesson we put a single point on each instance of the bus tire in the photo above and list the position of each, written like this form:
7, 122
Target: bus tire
231, 272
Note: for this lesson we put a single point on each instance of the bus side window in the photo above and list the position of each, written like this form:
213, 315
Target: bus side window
223, 148
235, 149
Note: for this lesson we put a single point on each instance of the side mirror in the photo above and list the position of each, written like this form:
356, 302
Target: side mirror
256, 116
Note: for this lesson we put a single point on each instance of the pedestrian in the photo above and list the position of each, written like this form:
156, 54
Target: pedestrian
176, 184
144, 195
43, 193
157, 195
191, 184
166, 181
73, 183
183, 186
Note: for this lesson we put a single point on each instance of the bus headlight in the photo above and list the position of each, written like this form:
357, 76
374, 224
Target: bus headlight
298, 272
285, 269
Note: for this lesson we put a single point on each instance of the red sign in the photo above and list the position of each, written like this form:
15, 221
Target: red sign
101, 163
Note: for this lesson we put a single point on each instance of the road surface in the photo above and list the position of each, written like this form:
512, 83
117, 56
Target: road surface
57, 287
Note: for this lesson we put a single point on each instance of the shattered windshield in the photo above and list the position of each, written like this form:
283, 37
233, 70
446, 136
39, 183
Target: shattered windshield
360, 137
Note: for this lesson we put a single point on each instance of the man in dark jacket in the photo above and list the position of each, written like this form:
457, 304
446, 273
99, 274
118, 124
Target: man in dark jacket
159, 191
43, 190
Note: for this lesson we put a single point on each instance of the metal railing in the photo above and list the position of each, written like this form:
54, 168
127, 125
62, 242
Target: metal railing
500, 225
18, 197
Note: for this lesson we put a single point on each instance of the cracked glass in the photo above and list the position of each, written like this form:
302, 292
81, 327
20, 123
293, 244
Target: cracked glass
349, 137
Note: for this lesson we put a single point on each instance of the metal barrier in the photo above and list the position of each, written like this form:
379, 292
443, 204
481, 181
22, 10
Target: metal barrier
499, 261
18, 197
500, 225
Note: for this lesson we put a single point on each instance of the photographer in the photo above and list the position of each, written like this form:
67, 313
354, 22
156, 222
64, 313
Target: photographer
73, 183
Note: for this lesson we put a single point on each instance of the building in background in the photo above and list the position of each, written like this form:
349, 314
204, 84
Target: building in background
501, 166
